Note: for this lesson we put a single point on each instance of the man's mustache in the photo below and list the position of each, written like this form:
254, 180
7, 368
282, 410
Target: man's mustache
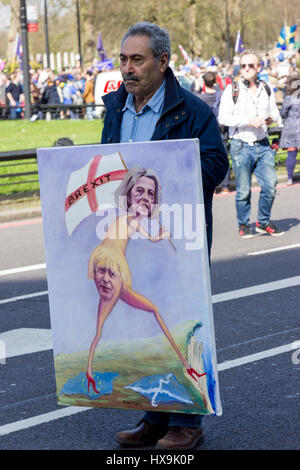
129, 76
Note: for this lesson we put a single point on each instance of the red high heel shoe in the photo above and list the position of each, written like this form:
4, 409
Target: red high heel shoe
91, 381
192, 371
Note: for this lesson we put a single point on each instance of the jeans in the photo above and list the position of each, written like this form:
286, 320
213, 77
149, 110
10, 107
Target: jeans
90, 111
13, 111
291, 162
259, 159
173, 419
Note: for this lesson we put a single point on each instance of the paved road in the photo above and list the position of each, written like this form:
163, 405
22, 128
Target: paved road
256, 293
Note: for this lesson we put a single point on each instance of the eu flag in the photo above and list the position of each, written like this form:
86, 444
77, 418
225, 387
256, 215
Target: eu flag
239, 46
100, 48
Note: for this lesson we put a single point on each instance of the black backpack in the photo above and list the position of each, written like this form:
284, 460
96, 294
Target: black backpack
236, 90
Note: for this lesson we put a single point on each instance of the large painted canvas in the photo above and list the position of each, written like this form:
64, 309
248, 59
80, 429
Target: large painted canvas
128, 276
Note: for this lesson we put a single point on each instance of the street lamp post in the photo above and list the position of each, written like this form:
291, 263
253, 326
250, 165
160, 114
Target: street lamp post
227, 33
25, 59
78, 31
46, 34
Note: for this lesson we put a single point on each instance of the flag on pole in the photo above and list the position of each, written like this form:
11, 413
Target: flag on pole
239, 46
92, 187
287, 36
100, 48
211, 62
185, 55
105, 65
18, 48
18, 52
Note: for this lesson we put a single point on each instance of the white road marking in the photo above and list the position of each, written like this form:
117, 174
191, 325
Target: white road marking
34, 341
272, 250
40, 419
26, 341
257, 356
71, 410
23, 297
22, 269
258, 289
223, 297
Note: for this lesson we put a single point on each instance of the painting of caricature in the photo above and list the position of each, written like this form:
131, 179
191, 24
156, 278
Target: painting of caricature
140, 194
128, 277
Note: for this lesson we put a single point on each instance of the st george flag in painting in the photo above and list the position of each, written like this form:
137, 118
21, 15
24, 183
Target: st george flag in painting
92, 187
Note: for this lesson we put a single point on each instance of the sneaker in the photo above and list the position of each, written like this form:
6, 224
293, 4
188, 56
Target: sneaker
269, 228
245, 231
289, 182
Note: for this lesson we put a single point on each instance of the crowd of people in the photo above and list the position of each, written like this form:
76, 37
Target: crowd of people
72, 89
70, 94
244, 96
75, 85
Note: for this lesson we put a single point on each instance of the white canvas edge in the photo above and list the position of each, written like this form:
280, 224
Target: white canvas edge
211, 313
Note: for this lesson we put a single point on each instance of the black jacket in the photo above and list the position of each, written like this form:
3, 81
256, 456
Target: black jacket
184, 116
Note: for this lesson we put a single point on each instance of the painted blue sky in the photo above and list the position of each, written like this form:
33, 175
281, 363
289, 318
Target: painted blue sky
177, 282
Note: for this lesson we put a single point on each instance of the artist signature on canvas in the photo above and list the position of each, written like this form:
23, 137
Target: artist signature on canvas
131, 403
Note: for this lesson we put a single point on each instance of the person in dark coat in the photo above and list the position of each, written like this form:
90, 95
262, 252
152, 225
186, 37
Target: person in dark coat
177, 114
50, 95
290, 135
183, 116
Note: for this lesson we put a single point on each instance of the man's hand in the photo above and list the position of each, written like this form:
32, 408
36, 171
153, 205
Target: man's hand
269, 121
256, 122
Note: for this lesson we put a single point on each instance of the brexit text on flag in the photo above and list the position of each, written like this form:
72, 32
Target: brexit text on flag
92, 187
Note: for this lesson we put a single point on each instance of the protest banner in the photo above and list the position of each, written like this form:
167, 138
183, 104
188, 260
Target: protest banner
128, 276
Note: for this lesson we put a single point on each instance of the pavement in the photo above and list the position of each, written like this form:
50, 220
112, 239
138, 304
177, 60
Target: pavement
30, 207
20, 208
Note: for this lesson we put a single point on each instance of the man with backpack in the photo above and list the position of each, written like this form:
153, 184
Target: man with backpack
247, 109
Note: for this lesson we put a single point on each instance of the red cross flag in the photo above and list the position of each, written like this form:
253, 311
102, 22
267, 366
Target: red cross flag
92, 187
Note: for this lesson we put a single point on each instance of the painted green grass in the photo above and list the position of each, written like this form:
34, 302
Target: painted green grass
133, 359
23, 135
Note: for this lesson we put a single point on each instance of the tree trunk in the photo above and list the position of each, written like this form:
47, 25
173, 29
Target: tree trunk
13, 29
88, 9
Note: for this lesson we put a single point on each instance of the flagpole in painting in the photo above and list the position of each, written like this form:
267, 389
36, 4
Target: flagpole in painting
25, 58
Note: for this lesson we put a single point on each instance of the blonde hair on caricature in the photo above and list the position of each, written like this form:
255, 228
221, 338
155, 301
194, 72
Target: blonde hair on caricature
112, 259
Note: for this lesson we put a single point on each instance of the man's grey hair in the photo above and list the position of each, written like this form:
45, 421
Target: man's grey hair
122, 193
159, 37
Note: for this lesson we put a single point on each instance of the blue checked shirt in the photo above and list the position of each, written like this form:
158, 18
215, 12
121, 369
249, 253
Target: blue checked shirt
139, 127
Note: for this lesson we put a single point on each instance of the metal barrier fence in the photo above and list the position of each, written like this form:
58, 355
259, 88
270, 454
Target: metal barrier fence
11, 160
53, 109
28, 157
